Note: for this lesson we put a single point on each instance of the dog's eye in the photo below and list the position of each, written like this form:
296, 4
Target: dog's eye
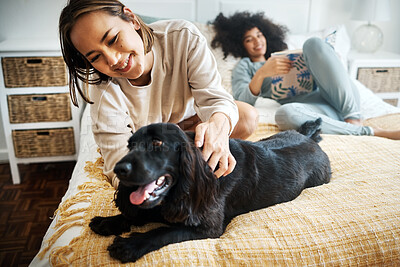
157, 142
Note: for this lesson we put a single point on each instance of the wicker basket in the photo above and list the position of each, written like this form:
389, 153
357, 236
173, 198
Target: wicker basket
39, 108
393, 102
43, 143
34, 71
380, 80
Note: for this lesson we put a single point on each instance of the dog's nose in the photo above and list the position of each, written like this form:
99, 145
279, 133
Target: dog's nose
123, 169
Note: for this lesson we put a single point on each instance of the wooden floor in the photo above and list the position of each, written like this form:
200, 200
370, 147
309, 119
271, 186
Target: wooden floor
25, 209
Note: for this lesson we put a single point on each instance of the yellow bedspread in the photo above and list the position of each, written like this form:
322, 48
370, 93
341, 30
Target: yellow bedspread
353, 220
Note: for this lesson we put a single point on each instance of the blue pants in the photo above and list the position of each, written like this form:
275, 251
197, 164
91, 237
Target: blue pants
335, 99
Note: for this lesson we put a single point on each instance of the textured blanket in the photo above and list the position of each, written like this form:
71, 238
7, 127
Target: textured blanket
353, 220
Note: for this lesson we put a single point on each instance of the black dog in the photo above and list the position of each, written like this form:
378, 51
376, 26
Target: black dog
164, 178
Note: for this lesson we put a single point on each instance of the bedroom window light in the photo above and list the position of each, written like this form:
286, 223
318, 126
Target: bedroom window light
367, 38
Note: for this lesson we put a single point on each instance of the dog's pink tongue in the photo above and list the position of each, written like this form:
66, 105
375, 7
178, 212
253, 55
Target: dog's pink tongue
139, 196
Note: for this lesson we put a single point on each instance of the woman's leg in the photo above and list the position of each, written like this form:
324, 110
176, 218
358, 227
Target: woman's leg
248, 120
291, 116
330, 76
395, 135
336, 87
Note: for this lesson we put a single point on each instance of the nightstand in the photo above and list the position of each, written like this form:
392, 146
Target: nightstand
379, 72
39, 121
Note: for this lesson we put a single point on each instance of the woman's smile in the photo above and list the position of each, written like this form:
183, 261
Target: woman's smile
126, 65
259, 47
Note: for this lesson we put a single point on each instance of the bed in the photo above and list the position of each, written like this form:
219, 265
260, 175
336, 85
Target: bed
353, 220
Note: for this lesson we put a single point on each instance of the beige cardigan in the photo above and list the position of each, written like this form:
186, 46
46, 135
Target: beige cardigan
184, 81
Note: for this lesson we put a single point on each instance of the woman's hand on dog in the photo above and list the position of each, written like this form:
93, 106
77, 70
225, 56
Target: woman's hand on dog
213, 136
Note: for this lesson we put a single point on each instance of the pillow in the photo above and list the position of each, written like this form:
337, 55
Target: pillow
225, 66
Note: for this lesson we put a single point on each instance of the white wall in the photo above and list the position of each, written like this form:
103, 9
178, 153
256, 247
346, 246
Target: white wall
339, 11
39, 19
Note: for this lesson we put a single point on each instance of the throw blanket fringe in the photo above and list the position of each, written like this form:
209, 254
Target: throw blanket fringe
69, 217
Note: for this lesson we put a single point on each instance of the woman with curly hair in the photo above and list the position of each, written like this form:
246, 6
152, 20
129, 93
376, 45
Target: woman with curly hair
334, 97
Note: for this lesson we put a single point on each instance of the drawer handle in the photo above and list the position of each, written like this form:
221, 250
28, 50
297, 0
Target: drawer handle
43, 133
39, 98
34, 61
383, 71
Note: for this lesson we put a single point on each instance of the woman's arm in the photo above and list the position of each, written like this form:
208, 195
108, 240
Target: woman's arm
247, 81
111, 126
241, 78
206, 84
273, 66
214, 106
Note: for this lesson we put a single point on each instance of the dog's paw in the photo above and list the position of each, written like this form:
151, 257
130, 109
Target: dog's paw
109, 225
100, 226
126, 249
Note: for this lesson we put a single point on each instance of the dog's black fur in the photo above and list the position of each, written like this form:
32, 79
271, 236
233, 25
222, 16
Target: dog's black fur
191, 200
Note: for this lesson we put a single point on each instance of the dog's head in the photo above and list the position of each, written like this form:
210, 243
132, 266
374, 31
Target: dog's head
163, 164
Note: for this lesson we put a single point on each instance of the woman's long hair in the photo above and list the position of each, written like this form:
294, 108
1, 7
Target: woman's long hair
79, 67
229, 33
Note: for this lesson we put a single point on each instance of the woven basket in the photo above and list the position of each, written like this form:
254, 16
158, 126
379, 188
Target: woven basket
43, 143
34, 71
393, 102
39, 108
380, 80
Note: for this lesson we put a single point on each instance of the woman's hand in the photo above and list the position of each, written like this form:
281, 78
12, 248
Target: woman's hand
276, 66
213, 136
273, 66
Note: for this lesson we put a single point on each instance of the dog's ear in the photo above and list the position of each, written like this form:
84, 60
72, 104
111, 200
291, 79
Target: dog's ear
196, 186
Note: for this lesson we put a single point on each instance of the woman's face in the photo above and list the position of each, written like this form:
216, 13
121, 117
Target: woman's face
255, 44
111, 44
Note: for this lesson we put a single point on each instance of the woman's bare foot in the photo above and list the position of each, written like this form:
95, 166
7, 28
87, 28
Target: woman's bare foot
390, 134
395, 135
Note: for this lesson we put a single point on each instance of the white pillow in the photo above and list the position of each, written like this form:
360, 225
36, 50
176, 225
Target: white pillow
225, 66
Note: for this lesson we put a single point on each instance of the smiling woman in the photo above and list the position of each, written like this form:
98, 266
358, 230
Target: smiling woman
118, 51
141, 74
79, 65
255, 44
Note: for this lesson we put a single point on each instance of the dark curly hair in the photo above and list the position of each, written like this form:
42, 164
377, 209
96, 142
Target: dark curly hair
230, 32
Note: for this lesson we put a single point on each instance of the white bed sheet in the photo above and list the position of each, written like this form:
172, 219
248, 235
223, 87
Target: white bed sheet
87, 152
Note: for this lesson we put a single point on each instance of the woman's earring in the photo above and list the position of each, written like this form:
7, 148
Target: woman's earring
137, 25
